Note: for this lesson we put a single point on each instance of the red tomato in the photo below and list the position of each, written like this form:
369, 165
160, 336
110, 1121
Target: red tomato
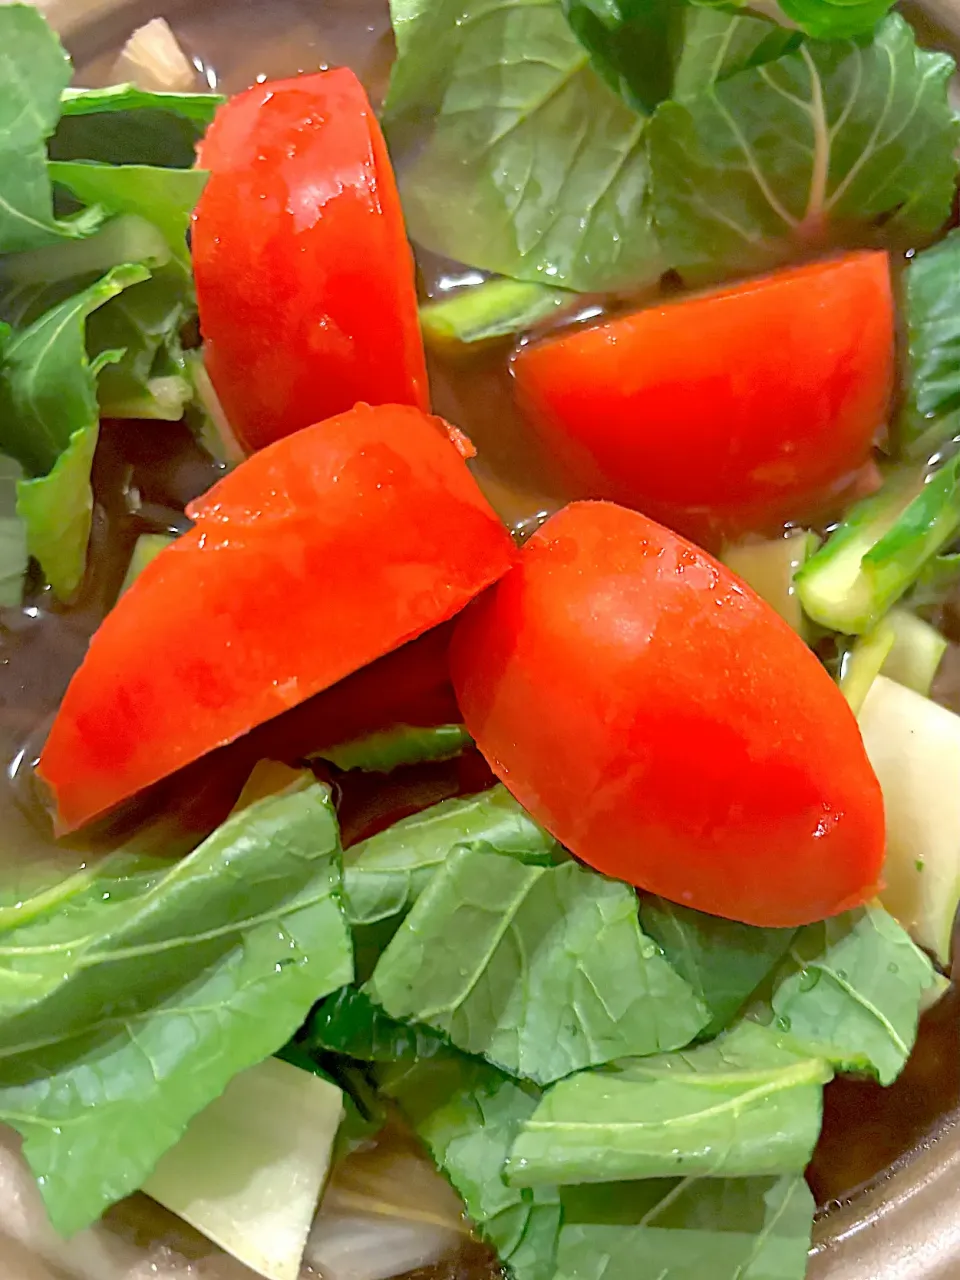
741, 408
410, 685
667, 726
314, 557
305, 280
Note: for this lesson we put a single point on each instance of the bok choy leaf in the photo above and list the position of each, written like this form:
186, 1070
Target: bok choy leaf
724, 1228
467, 1114
846, 142
851, 990
541, 970
127, 1007
744, 1105
512, 153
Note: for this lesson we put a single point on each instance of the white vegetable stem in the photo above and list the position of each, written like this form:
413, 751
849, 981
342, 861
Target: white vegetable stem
914, 747
249, 1170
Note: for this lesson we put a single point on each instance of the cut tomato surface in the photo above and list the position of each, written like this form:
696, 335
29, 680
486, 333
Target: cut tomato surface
667, 726
305, 280
737, 409
312, 559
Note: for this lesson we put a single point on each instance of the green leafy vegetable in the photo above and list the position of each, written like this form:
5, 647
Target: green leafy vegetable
727, 1229
633, 44
47, 384
34, 280
930, 412
48, 422
150, 377
57, 512
718, 45
833, 143
880, 549
127, 125
13, 560
836, 19
541, 970
384, 875
722, 960
513, 155
851, 991
494, 309
166, 197
126, 1007
13, 539
364, 1114
150, 380
402, 745
33, 71
348, 1022
467, 1115
650, 50
742, 1106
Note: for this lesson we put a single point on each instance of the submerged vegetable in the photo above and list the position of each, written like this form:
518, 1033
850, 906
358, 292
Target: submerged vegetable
667, 726
402, 744
304, 276
916, 652
494, 309
146, 549
741, 408
359, 534
386, 1212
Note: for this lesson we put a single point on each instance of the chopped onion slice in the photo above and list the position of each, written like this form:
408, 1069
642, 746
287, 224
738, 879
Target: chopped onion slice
364, 1247
152, 59
386, 1211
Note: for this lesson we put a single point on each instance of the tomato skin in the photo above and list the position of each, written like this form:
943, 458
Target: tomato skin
316, 556
667, 726
409, 685
739, 409
305, 280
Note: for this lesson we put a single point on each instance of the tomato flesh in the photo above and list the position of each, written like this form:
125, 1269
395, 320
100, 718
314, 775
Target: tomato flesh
316, 556
738, 409
305, 280
667, 726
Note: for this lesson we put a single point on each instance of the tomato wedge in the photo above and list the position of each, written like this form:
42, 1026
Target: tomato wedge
314, 557
738, 409
667, 726
305, 280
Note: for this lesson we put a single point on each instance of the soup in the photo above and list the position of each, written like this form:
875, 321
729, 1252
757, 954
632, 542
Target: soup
867, 1129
